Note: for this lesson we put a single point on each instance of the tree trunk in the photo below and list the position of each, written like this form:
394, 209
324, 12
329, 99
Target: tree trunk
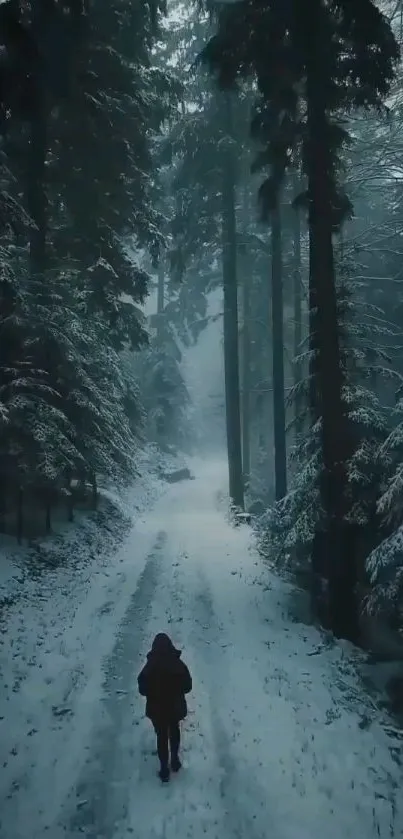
70, 507
161, 420
297, 289
246, 385
36, 174
280, 452
48, 519
20, 514
314, 403
94, 492
231, 354
36, 199
342, 605
257, 347
35, 183
160, 300
69, 496
246, 344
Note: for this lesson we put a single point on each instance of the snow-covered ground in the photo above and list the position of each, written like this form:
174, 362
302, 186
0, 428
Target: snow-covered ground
280, 740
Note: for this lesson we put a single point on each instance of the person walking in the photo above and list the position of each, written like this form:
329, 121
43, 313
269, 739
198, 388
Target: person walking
164, 681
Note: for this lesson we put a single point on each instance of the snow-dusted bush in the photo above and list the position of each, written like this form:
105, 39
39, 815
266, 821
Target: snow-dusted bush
385, 571
287, 529
385, 563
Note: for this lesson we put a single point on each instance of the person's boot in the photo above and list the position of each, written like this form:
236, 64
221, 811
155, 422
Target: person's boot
175, 764
163, 774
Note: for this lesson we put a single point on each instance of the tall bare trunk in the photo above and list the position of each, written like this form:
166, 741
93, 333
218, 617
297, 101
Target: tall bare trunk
36, 197
335, 432
246, 385
280, 452
231, 354
36, 167
160, 425
246, 343
297, 290
160, 300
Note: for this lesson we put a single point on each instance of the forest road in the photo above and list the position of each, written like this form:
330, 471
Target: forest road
272, 746
121, 767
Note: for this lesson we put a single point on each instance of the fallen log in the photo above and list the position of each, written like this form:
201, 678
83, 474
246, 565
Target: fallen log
178, 475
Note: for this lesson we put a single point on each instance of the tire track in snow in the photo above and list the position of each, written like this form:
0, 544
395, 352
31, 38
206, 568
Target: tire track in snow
234, 785
102, 793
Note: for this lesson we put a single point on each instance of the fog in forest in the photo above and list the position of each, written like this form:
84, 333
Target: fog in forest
201, 419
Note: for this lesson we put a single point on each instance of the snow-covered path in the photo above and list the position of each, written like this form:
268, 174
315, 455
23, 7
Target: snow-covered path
275, 744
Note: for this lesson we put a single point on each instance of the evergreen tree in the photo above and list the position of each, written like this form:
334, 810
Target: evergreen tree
287, 531
80, 105
102, 162
340, 56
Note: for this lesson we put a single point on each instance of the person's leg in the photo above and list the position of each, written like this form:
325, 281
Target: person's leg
174, 742
162, 750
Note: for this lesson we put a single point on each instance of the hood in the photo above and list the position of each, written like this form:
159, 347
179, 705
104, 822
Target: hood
163, 648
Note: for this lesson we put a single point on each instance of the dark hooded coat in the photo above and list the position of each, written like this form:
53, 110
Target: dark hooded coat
164, 681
